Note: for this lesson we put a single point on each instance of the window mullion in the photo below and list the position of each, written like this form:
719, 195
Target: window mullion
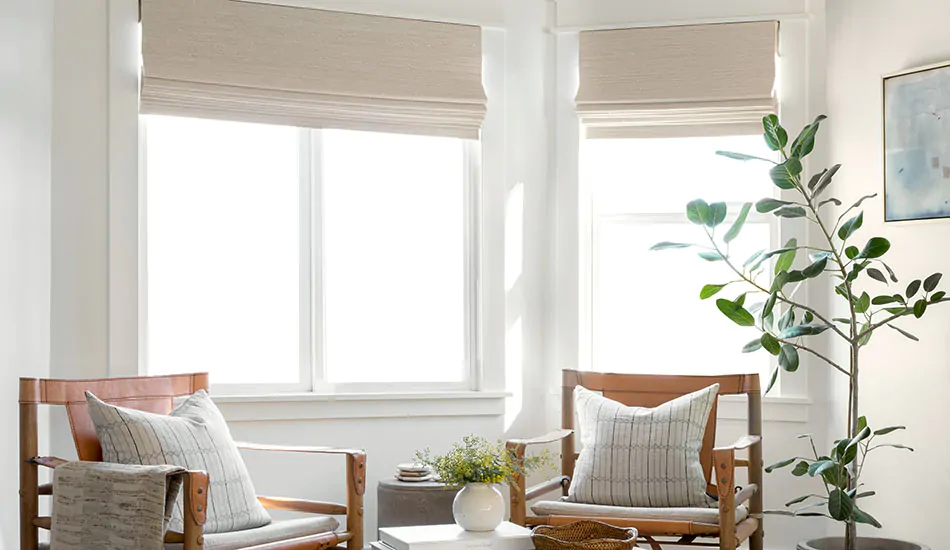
316, 361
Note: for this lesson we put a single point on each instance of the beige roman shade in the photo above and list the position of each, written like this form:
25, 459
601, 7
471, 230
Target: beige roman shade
312, 68
677, 81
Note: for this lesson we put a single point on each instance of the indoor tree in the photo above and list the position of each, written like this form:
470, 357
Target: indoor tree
786, 323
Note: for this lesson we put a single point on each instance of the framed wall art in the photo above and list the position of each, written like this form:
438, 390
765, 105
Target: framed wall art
917, 144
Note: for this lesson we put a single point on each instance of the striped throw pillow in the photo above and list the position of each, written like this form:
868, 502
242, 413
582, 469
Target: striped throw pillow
194, 436
642, 457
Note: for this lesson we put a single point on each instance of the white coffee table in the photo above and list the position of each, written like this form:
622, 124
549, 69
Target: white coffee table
507, 536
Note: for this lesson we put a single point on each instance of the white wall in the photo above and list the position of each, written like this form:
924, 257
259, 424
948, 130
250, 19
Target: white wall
903, 382
90, 122
25, 115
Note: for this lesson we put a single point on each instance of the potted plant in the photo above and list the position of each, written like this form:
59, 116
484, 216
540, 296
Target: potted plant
478, 466
785, 324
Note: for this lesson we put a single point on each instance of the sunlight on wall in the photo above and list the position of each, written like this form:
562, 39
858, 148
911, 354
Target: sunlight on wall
514, 366
514, 236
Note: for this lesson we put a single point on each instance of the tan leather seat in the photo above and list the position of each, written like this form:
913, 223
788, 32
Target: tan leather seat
276, 531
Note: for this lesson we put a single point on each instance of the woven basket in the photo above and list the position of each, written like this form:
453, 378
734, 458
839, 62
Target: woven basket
583, 535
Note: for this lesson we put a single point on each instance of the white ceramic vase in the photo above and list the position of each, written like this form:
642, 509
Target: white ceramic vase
479, 507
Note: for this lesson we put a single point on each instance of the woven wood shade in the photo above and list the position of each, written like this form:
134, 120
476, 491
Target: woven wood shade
312, 68
677, 81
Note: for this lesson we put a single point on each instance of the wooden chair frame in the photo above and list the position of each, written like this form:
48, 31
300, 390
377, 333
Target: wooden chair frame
651, 391
157, 394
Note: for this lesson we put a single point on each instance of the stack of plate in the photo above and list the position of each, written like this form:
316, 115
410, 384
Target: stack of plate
414, 472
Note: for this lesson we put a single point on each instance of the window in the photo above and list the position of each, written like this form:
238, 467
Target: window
287, 259
646, 315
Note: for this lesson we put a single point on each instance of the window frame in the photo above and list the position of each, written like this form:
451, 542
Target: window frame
598, 221
312, 362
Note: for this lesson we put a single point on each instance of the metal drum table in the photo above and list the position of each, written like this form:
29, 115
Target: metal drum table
401, 503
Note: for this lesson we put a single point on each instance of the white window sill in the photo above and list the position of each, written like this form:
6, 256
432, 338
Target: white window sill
774, 409
314, 406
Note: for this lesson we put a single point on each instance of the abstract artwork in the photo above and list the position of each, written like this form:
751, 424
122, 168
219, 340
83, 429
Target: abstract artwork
917, 144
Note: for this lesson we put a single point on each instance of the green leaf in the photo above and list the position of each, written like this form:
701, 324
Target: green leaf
851, 252
767, 205
860, 516
803, 330
937, 296
815, 269
805, 142
769, 304
912, 288
754, 345
861, 200
930, 283
867, 335
737, 225
816, 178
738, 314
775, 136
905, 333
862, 422
896, 446
890, 272
840, 506
741, 156
825, 180
876, 247
849, 227
862, 304
883, 300
817, 467
920, 308
753, 258
800, 469
892, 429
711, 256
788, 358
787, 257
790, 212
770, 344
876, 274
787, 319
709, 291
783, 175
780, 465
697, 211
666, 245
832, 200
808, 317
772, 380
717, 214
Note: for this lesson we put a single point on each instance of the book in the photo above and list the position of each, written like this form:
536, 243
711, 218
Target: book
507, 536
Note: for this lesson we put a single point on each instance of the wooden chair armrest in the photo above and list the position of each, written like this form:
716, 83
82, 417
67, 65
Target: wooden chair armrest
47, 461
297, 449
743, 442
558, 483
355, 488
302, 505
552, 437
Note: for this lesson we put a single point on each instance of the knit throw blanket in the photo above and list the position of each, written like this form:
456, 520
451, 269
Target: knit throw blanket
103, 506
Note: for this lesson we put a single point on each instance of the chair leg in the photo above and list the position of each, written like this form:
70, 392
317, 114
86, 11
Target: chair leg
29, 492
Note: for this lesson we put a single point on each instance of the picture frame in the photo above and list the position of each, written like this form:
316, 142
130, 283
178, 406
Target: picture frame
916, 143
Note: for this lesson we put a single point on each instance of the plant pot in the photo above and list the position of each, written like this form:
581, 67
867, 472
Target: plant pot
479, 507
864, 543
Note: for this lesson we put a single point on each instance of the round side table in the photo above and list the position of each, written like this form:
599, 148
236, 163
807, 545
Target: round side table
401, 503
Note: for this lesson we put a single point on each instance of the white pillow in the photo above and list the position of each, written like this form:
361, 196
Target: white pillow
193, 436
641, 457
